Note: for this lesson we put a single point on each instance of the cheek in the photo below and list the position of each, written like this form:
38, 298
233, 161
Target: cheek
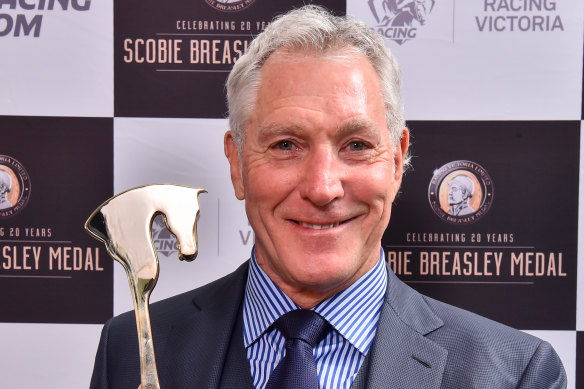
266, 186
255, 175
374, 185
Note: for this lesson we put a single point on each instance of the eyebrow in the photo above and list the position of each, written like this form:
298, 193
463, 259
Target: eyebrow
346, 128
358, 124
270, 130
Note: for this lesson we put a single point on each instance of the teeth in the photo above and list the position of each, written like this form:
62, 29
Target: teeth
318, 226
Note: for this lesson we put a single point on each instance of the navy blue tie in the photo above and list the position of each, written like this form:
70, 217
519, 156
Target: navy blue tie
303, 329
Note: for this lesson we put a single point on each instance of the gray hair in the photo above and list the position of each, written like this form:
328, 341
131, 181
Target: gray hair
313, 29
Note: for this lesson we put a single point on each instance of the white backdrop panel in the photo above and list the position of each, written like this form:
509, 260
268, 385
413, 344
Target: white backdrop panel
47, 355
185, 152
67, 70
452, 70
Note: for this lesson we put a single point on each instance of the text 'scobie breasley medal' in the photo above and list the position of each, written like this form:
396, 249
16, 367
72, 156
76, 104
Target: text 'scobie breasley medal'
124, 224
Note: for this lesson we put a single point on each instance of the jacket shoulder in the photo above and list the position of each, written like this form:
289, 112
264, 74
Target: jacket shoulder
197, 298
485, 353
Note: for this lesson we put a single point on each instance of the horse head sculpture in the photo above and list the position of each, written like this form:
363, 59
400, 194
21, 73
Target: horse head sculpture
124, 224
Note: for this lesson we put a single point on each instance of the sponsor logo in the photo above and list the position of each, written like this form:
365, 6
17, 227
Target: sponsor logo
14, 186
518, 15
461, 192
399, 20
25, 19
164, 241
229, 5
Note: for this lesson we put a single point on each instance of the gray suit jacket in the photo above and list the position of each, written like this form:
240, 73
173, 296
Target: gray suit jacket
420, 343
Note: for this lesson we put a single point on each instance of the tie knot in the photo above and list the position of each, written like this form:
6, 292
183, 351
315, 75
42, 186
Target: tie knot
303, 324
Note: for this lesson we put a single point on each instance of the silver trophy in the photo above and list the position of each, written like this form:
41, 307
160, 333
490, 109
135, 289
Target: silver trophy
124, 224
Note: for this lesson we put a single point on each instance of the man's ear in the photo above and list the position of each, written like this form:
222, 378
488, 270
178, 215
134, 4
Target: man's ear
234, 165
399, 157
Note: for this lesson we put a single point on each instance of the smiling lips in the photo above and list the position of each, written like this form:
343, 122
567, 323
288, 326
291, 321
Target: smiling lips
322, 226
318, 226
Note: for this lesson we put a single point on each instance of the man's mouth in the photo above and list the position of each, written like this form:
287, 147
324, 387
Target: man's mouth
322, 226
318, 226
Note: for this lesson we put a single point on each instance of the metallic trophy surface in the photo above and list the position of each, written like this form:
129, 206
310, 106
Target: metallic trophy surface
124, 224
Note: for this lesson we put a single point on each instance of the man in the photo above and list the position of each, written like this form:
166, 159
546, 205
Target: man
317, 149
461, 190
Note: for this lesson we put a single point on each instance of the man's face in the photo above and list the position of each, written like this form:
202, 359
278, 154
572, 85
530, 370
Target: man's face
455, 194
318, 172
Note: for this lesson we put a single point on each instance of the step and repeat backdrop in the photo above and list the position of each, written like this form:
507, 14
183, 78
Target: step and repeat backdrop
97, 97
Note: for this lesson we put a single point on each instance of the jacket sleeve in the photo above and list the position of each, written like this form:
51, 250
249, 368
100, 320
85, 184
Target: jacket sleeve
545, 370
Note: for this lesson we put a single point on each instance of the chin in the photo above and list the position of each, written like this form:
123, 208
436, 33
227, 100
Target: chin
327, 273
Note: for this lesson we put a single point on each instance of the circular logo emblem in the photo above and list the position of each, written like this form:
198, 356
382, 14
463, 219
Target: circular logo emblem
14, 186
229, 5
461, 192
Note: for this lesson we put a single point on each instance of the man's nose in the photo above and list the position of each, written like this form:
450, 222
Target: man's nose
322, 178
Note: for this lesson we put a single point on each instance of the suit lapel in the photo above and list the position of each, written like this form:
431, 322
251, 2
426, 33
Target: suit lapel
200, 339
401, 355
236, 372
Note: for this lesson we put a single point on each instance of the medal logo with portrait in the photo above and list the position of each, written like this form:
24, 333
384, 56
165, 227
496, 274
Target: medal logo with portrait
461, 192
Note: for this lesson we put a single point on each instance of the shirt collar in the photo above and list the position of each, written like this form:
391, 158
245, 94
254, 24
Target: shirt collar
263, 302
353, 312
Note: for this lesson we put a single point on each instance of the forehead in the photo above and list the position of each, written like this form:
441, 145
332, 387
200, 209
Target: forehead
342, 83
297, 64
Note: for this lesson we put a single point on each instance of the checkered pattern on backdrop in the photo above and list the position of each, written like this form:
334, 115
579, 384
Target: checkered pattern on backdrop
97, 97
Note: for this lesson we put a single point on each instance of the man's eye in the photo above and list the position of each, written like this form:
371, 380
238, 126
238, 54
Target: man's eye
357, 146
285, 145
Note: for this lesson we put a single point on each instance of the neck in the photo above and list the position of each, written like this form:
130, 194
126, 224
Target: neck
308, 296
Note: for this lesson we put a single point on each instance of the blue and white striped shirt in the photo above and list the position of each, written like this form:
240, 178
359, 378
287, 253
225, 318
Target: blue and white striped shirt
353, 313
